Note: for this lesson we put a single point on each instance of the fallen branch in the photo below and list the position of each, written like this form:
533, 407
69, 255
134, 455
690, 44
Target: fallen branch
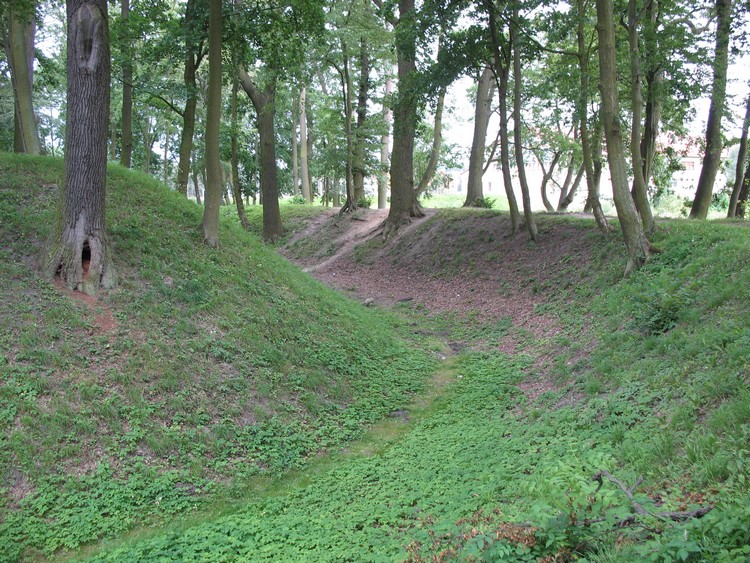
676, 516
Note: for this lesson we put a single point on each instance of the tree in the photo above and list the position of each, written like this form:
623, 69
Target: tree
712, 155
404, 204
19, 48
79, 253
635, 240
214, 186
517, 139
741, 157
474, 190
127, 85
385, 147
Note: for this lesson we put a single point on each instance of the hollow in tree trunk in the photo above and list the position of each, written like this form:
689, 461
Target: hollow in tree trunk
79, 252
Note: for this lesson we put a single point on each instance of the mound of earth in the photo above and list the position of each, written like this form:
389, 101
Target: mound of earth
453, 260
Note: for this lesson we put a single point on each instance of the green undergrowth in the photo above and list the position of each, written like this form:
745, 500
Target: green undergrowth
202, 370
643, 383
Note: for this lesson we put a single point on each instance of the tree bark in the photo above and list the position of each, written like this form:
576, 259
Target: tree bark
593, 171
385, 148
80, 254
712, 155
741, 156
742, 198
654, 82
264, 102
474, 191
568, 192
214, 188
632, 229
235, 158
295, 147
304, 168
346, 97
126, 132
193, 58
639, 193
360, 135
19, 48
517, 131
437, 143
404, 204
546, 177
502, 71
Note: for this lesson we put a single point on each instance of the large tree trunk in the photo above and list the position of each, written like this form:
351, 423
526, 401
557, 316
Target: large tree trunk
19, 48
295, 147
639, 193
235, 159
712, 156
346, 96
741, 157
385, 147
517, 130
632, 229
593, 171
360, 135
127, 86
304, 164
214, 188
193, 60
79, 254
404, 204
437, 143
474, 191
264, 102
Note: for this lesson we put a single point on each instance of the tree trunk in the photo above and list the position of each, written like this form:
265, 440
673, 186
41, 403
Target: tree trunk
712, 156
639, 193
346, 95
741, 156
214, 188
235, 158
360, 135
517, 132
742, 198
167, 135
474, 191
437, 142
632, 229
502, 70
592, 169
385, 148
546, 177
654, 82
19, 48
127, 87
304, 167
295, 147
404, 204
80, 254
192, 62
264, 102
568, 192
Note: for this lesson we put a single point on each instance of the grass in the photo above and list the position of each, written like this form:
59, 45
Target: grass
646, 377
225, 365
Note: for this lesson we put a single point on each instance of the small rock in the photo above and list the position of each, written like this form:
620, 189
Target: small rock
369, 302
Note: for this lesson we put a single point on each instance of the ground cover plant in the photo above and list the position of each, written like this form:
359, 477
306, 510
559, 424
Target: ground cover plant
571, 414
619, 435
203, 369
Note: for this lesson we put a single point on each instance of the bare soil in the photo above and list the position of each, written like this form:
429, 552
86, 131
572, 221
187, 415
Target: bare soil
454, 261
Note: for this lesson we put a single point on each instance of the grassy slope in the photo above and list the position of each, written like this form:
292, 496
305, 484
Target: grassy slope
224, 365
651, 379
